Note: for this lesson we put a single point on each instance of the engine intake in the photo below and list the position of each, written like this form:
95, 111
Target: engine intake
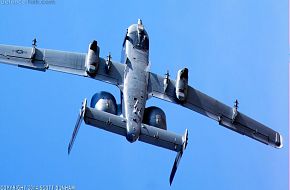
104, 101
93, 59
182, 84
155, 116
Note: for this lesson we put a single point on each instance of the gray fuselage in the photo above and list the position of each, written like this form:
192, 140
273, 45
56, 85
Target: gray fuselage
136, 57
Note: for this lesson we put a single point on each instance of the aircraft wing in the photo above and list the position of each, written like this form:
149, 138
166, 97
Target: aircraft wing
208, 106
67, 62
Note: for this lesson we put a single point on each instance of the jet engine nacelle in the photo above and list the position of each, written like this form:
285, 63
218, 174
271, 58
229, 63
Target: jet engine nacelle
92, 59
181, 84
104, 101
155, 116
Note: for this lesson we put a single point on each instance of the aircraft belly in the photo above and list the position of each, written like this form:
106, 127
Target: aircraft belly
134, 94
134, 91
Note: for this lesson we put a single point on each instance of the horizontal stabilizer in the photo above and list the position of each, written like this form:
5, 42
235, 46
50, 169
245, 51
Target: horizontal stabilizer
148, 134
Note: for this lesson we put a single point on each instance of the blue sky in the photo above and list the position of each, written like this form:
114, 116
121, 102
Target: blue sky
233, 49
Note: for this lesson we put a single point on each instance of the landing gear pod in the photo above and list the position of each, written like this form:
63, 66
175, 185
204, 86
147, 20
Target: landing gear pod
92, 59
181, 84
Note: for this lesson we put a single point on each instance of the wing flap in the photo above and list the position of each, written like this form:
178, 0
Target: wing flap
68, 62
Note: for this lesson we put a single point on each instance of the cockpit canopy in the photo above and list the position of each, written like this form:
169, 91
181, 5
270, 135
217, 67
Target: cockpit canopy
137, 35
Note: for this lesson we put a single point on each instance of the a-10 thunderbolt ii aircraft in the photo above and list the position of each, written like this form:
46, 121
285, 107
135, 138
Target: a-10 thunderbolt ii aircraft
131, 118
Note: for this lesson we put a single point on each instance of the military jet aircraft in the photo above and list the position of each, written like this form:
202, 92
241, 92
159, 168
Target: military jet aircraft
131, 118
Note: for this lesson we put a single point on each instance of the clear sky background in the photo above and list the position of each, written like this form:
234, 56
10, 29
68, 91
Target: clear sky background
232, 48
